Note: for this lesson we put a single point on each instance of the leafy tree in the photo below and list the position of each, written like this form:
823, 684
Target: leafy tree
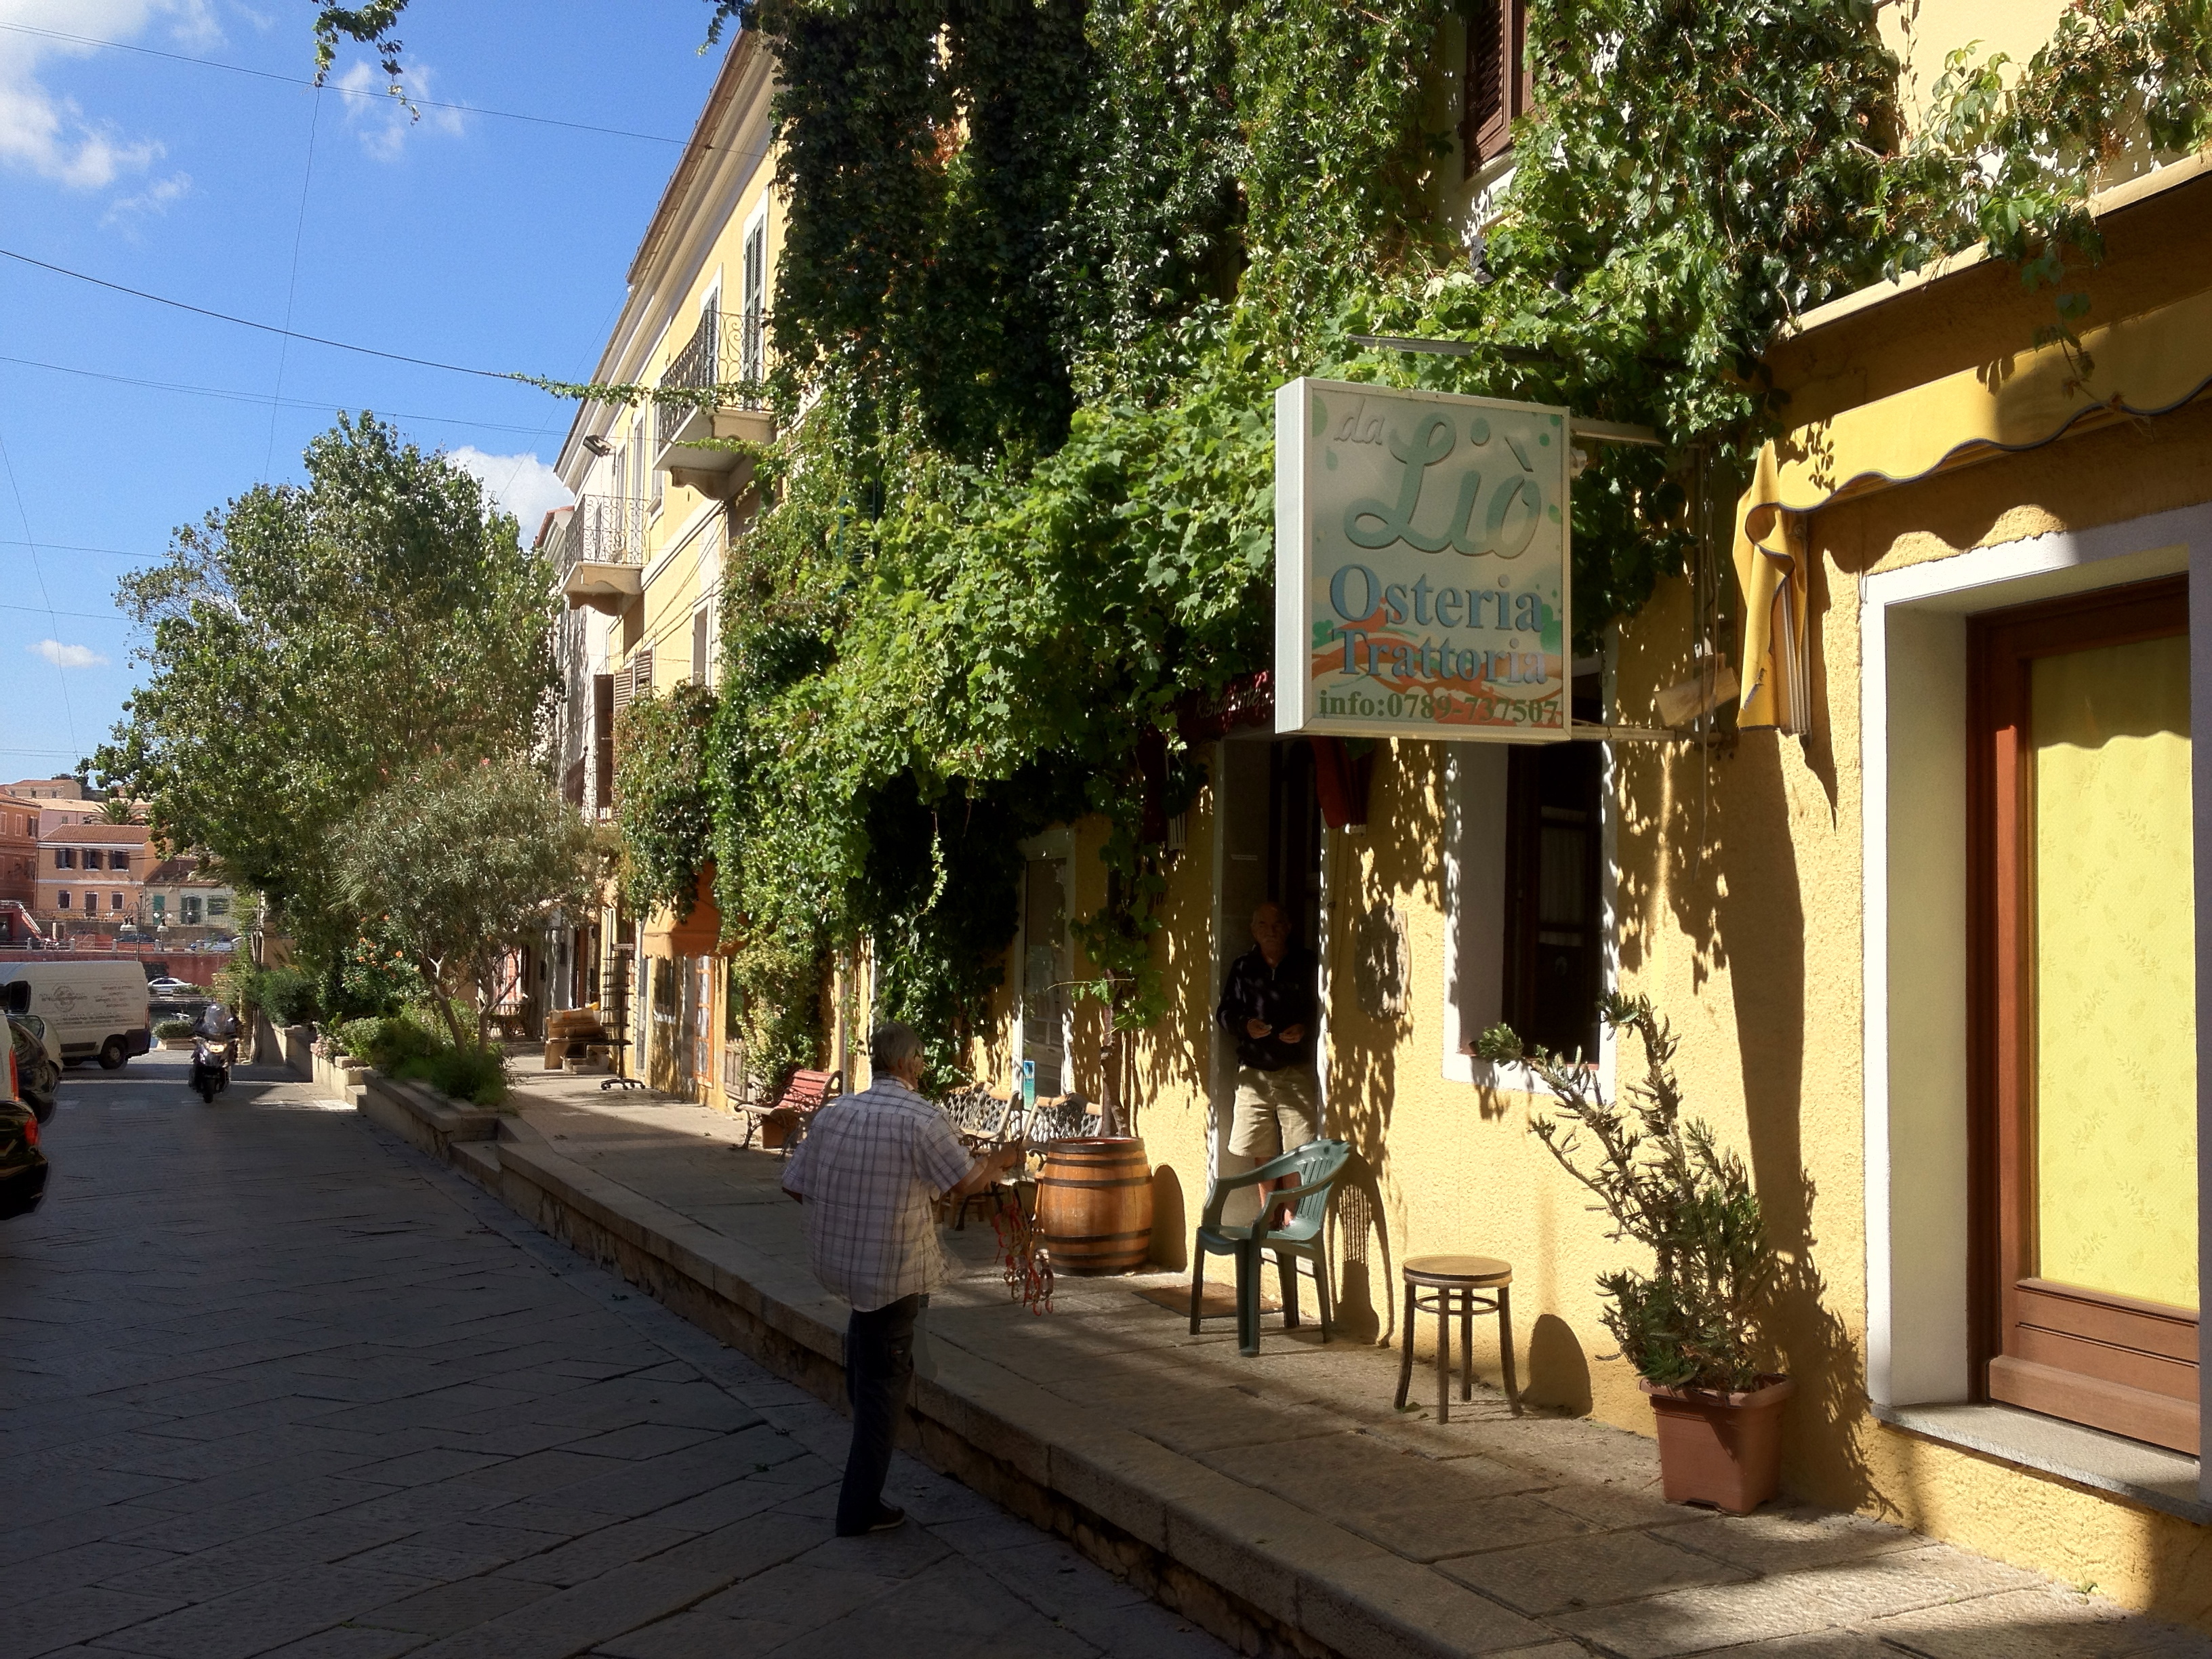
459, 863
310, 643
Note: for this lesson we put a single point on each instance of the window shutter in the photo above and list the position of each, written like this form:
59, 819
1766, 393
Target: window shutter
1496, 83
603, 738
621, 678
640, 670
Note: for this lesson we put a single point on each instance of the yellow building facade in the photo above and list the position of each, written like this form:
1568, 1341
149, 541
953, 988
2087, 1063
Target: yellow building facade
1920, 913
1909, 986
663, 490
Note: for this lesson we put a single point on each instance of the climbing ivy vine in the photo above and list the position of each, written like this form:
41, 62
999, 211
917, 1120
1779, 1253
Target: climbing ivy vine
663, 801
1045, 261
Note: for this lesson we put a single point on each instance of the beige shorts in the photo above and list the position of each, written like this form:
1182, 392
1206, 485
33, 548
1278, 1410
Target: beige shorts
1288, 1101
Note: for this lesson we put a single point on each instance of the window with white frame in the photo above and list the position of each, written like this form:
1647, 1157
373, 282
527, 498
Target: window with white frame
751, 351
1526, 943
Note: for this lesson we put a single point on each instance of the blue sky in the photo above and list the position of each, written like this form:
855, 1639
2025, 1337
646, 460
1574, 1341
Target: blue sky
463, 237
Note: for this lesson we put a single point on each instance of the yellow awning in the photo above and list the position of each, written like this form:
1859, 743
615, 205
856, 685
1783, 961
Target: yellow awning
2147, 364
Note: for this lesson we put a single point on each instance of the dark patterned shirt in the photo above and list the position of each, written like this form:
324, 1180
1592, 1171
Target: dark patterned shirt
1280, 995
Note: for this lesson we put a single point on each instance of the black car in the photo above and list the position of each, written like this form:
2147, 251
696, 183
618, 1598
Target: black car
23, 1165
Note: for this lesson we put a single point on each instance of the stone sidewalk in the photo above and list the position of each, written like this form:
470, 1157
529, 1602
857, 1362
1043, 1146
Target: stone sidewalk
1280, 1502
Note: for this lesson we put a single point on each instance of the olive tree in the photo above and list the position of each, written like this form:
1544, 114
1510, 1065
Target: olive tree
460, 862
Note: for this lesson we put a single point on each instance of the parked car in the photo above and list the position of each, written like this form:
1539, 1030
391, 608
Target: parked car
176, 990
96, 1008
23, 1165
38, 1062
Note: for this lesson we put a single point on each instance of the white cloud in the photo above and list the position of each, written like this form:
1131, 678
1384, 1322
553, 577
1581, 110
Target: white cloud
383, 121
522, 484
50, 136
152, 201
69, 656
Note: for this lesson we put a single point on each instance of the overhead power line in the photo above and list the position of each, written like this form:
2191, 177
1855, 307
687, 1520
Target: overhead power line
68, 547
264, 328
348, 92
259, 399
84, 616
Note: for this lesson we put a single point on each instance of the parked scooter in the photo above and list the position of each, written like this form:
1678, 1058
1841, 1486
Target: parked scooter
211, 1062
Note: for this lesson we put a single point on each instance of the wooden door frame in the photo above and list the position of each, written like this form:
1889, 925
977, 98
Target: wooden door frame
2023, 1329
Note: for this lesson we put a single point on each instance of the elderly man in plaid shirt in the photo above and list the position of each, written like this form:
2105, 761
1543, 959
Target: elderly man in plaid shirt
869, 1169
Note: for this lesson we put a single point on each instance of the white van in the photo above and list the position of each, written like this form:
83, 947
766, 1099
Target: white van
96, 1008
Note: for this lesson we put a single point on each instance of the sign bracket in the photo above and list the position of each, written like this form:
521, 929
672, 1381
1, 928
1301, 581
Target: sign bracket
1602, 432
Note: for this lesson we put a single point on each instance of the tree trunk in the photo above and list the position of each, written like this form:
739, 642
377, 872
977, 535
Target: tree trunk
443, 999
1110, 1102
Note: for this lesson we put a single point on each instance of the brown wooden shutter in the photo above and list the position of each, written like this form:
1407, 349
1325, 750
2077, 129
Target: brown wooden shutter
640, 670
1497, 84
603, 738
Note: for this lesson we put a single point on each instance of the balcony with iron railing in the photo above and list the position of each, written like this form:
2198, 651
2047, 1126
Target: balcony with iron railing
598, 552
728, 356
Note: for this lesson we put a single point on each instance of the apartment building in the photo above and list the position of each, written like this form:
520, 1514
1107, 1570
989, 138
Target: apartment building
661, 500
18, 848
92, 875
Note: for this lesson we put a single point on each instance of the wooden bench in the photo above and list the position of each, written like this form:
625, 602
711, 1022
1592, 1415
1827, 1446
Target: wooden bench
803, 1094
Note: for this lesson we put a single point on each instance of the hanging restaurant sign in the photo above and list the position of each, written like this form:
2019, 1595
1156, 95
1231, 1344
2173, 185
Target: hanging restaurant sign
1421, 564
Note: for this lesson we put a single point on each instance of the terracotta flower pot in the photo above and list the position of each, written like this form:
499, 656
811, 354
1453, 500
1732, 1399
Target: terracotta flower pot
1724, 1449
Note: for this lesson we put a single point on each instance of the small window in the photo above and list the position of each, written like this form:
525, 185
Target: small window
1554, 961
218, 906
161, 903
118, 860
1497, 84
64, 858
115, 901
62, 901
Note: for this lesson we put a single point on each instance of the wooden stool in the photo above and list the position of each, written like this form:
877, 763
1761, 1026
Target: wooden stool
1431, 1284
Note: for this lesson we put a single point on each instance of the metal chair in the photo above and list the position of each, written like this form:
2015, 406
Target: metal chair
1315, 1166
978, 1116
1062, 1117
983, 1120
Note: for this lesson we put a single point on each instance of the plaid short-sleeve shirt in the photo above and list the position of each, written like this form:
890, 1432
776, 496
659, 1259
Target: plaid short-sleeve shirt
868, 1170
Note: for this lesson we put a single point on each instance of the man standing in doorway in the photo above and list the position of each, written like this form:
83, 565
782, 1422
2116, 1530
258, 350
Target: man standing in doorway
1267, 1004
868, 1170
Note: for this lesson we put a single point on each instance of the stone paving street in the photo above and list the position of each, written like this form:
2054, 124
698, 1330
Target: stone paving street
275, 1384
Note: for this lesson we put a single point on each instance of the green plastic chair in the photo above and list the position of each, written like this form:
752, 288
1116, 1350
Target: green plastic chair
1316, 1165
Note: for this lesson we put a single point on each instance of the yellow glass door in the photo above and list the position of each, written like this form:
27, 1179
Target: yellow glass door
2086, 896
2115, 989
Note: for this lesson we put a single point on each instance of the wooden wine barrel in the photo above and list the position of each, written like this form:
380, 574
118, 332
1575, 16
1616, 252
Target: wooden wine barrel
1094, 1204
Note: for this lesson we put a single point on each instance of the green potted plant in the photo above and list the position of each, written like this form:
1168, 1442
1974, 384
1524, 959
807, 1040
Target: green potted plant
1690, 1326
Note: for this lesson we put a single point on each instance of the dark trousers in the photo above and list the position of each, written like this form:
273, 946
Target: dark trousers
879, 1365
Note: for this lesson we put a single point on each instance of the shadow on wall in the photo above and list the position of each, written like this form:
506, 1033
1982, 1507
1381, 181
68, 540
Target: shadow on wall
1709, 861
1171, 1246
1376, 882
1366, 1297
1557, 1371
